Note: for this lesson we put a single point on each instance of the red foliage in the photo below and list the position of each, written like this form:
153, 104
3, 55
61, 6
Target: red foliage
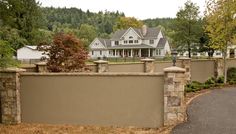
66, 54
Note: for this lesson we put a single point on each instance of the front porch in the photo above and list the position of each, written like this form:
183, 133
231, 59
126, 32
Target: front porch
148, 52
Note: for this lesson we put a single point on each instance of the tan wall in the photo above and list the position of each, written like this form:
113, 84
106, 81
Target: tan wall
159, 66
231, 63
201, 70
133, 67
105, 99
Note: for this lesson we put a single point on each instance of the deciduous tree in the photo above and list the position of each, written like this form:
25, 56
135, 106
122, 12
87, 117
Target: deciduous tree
66, 54
187, 26
127, 22
221, 25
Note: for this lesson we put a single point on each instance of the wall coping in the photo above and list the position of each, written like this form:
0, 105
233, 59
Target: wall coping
184, 58
147, 60
12, 70
174, 69
100, 62
41, 63
92, 74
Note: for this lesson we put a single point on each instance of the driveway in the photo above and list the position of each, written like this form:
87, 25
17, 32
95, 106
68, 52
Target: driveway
212, 113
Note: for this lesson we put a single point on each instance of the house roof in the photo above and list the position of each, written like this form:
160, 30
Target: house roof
130, 46
105, 42
31, 47
151, 33
161, 43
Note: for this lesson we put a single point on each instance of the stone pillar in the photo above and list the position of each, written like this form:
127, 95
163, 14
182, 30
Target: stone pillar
101, 66
149, 65
219, 67
41, 67
174, 107
10, 96
186, 64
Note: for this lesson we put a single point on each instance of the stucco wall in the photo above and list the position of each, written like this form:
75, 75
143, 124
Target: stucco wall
159, 66
134, 67
231, 63
93, 99
201, 70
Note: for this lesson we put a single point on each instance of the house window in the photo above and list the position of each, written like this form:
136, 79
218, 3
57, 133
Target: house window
131, 41
92, 53
116, 42
135, 41
100, 52
96, 44
158, 52
151, 41
130, 37
125, 41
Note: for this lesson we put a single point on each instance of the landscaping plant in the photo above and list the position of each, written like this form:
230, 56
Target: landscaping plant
66, 54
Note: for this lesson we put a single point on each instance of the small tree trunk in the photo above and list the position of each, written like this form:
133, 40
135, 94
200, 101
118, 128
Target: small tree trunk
189, 50
224, 67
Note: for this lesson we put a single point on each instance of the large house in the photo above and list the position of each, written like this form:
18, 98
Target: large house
132, 42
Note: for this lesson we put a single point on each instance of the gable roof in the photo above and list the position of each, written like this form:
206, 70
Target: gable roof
105, 42
151, 33
161, 43
31, 47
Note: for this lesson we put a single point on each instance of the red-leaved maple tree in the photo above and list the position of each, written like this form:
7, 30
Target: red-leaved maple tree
66, 54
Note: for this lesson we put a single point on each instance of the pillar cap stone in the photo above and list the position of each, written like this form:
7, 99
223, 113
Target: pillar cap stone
101, 62
12, 70
174, 69
41, 63
147, 60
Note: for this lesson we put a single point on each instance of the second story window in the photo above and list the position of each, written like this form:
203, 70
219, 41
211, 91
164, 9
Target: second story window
125, 41
131, 41
151, 41
116, 42
135, 41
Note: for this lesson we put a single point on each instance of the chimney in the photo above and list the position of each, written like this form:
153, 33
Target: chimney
144, 30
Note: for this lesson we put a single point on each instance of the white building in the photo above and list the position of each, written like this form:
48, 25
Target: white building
132, 42
29, 53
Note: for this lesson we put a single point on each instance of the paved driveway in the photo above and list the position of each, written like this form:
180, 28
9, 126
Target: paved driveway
212, 113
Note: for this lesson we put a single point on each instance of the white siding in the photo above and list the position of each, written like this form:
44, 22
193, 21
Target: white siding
96, 44
27, 53
98, 53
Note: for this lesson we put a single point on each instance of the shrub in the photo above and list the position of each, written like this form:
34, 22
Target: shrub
231, 75
220, 79
210, 81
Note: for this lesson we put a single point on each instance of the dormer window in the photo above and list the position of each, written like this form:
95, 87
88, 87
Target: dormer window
116, 43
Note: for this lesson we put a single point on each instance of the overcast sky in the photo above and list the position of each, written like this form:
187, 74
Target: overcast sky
141, 9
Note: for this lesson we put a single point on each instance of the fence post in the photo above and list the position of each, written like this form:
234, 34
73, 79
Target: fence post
101, 66
219, 67
41, 67
10, 96
186, 64
149, 65
174, 107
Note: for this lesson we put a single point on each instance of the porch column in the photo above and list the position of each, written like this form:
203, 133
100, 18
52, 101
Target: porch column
149, 53
123, 53
131, 55
139, 54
